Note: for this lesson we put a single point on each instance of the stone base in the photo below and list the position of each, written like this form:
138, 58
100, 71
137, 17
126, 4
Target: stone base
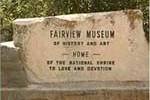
37, 92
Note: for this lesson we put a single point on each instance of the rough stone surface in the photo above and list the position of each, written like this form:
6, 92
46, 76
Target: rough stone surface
128, 48
102, 94
12, 71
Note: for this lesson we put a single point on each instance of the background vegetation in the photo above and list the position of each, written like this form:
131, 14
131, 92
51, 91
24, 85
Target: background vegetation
12, 9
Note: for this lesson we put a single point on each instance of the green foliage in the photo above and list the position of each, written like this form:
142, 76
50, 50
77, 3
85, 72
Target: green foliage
12, 9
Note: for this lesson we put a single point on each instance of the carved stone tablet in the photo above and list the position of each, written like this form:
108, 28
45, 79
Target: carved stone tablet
108, 46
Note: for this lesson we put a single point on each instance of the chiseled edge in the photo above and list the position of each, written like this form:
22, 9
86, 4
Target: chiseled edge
20, 25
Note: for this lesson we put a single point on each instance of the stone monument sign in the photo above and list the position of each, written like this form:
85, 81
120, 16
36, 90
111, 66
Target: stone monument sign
108, 46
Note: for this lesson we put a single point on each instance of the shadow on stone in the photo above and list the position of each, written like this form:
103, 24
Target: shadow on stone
12, 71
